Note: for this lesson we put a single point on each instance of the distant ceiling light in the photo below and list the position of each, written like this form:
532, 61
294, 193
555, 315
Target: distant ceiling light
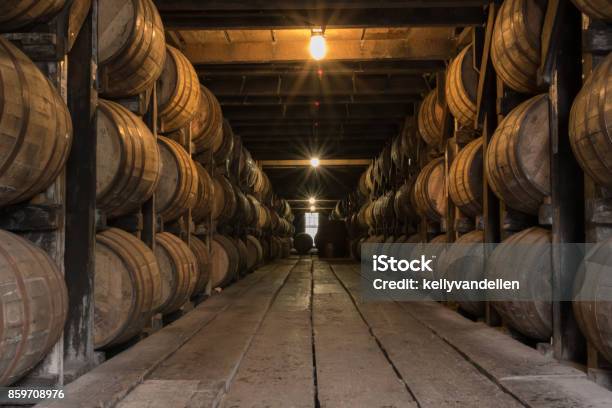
312, 200
318, 45
313, 208
314, 162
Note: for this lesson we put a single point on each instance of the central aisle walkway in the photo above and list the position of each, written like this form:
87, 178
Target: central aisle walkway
297, 335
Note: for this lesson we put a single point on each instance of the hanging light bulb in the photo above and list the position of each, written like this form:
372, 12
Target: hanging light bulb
312, 200
314, 162
313, 208
318, 45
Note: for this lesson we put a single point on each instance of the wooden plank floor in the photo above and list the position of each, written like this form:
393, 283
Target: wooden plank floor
300, 336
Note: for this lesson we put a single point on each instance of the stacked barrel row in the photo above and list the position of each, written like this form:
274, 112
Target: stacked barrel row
132, 281
516, 165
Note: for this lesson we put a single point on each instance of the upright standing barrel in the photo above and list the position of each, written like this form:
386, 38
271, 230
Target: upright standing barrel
465, 179
590, 126
34, 305
35, 128
430, 119
428, 196
178, 185
462, 86
20, 13
127, 287
516, 45
526, 258
131, 46
518, 156
128, 164
178, 92
597, 9
179, 271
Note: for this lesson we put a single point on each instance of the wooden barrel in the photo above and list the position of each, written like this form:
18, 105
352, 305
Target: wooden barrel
202, 256
224, 152
465, 179
597, 9
303, 243
402, 202
224, 200
205, 197
590, 130
177, 190
224, 261
430, 118
276, 248
518, 156
128, 164
516, 45
34, 299
592, 302
178, 92
20, 13
179, 271
464, 261
243, 253
35, 128
529, 313
428, 196
127, 287
383, 211
365, 182
259, 183
332, 238
462, 86
244, 214
255, 252
131, 46
207, 125
369, 215
263, 214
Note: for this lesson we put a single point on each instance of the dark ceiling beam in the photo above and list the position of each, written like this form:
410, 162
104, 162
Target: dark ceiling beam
201, 17
341, 111
424, 45
241, 5
310, 100
391, 67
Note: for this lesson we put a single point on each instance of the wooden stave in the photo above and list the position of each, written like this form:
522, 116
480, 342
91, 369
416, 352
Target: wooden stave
515, 49
590, 130
21, 13
402, 202
509, 181
39, 101
202, 209
222, 243
222, 155
243, 253
224, 200
464, 261
517, 314
202, 256
141, 264
135, 67
465, 179
460, 87
430, 119
184, 271
131, 187
255, 252
591, 303
185, 196
596, 9
207, 124
33, 272
421, 199
179, 108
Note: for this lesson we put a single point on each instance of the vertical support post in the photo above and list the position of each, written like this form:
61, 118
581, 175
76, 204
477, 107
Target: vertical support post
149, 214
486, 119
564, 58
81, 199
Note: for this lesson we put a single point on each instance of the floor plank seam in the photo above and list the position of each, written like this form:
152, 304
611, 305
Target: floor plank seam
477, 366
317, 403
225, 389
376, 339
